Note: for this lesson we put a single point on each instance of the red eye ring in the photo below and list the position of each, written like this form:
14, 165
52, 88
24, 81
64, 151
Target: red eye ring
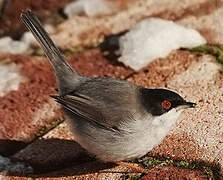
166, 104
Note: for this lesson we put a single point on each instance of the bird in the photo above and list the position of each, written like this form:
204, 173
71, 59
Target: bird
112, 119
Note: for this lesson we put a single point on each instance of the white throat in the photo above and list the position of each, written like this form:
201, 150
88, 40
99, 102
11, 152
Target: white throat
167, 119
150, 132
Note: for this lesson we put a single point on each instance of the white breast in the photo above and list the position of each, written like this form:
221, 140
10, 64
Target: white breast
150, 132
134, 141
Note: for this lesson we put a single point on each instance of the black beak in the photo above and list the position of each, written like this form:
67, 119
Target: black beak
190, 104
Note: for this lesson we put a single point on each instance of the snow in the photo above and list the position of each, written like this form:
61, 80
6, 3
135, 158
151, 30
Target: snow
8, 45
90, 8
154, 38
10, 78
27, 38
11, 46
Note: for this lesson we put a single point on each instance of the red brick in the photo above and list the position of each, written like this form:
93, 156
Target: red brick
19, 108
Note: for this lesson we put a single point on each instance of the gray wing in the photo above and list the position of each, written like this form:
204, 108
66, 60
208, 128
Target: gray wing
88, 109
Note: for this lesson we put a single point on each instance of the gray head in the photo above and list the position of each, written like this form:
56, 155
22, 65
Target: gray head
160, 101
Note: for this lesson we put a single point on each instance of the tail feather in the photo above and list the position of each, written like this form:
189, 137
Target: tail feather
67, 78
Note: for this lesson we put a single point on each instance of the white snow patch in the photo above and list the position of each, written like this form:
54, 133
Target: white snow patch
10, 78
154, 38
27, 38
7, 167
8, 45
90, 8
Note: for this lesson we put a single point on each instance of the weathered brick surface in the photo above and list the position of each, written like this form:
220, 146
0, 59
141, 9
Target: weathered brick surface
169, 172
25, 113
199, 130
10, 12
209, 25
197, 136
158, 72
91, 29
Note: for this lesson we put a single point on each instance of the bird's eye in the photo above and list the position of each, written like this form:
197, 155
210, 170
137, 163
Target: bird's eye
166, 104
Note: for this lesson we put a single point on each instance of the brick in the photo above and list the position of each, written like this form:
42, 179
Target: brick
209, 25
25, 113
10, 13
169, 172
157, 73
197, 136
90, 30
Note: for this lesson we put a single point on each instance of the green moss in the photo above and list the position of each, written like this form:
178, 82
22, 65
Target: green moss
37, 51
209, 172
212, 49
73, 50
149, 162
182, 164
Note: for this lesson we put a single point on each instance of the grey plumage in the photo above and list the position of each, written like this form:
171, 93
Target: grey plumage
113, 119
67, 78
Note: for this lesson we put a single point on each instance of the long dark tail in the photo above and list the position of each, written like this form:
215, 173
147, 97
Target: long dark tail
67, 78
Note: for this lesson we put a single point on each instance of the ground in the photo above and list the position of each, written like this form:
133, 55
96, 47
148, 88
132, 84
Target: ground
32, 128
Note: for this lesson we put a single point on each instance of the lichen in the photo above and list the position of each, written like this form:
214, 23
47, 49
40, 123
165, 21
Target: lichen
73, 50
150, 162
182, 164
215, 50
